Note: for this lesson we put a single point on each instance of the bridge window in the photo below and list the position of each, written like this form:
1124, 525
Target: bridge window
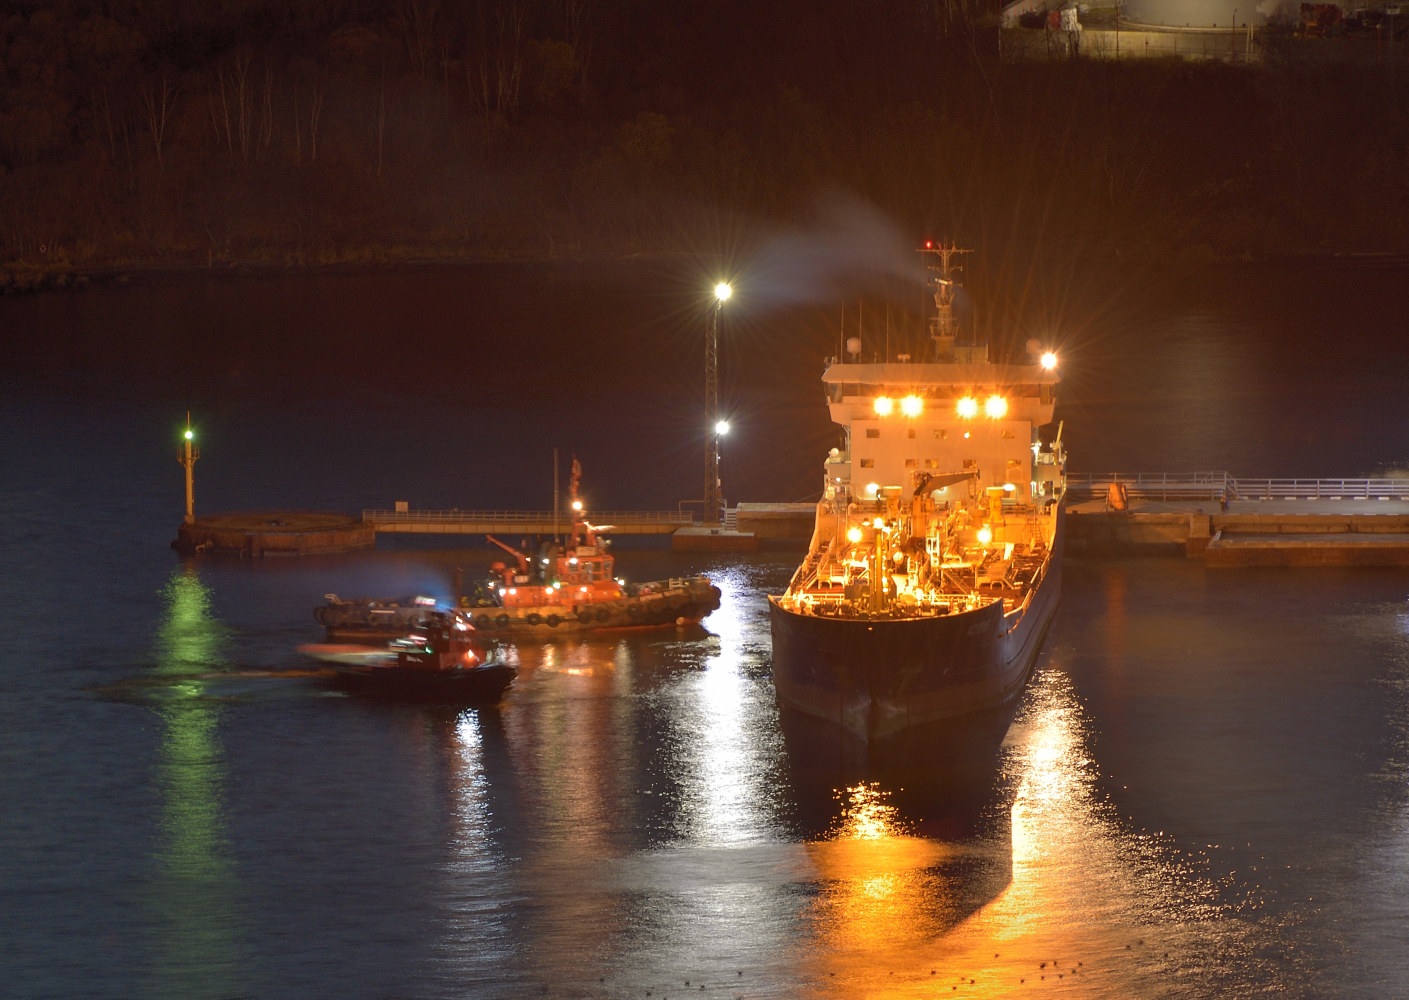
868, 463
873, 432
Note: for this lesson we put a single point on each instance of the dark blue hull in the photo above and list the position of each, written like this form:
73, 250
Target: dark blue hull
888, 683
482, 685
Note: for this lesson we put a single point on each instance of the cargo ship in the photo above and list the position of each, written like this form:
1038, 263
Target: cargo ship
934, 567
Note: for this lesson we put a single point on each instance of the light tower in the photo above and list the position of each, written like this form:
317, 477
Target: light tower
714, 427
187, 455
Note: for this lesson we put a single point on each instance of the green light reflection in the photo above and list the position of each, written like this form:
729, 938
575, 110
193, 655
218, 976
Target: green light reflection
194, 952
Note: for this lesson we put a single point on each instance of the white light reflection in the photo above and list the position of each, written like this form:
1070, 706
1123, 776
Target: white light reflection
727, 794
469, 786
718, 903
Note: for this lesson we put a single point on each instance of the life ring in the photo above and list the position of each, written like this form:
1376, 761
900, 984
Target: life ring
534, 619
585, 616
603, 614
553, 621
502, 621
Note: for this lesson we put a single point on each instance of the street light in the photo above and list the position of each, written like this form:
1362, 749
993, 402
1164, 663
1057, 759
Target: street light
716, 428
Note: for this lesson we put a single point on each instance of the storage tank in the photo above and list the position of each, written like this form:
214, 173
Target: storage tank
1224, 14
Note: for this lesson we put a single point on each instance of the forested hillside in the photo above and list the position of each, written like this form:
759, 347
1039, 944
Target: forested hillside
228, 132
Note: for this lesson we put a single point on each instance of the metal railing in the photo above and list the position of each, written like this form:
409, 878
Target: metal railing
1219, 485
615, 518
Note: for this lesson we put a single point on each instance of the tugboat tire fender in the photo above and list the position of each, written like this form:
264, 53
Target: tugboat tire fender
585, 616
602, 614
553, 621
534, 619
502, 620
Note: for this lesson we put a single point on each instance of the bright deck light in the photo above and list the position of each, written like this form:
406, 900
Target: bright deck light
721, 427
883, 406
912, 406
722, 291
995, 407
1049, 360
985, 535
853, 535
967, 407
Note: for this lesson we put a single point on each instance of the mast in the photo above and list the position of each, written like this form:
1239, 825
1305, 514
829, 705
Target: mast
944, 327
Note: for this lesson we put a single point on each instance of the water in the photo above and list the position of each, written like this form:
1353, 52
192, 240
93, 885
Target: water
1204, 793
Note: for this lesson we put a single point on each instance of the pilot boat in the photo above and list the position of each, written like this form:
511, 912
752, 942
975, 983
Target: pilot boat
440, 659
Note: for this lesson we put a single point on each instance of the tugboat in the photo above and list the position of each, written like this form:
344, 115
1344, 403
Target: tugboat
573, 588
439, 660
561, 588
934, 567
364, 618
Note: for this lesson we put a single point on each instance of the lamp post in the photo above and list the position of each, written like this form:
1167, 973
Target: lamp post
714, 427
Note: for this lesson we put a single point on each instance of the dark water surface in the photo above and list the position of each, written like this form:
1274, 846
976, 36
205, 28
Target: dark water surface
1204, 793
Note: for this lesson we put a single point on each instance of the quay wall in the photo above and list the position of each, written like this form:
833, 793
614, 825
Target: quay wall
255, 534
1247, 537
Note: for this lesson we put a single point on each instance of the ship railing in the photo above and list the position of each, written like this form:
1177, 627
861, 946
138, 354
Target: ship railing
1220, 485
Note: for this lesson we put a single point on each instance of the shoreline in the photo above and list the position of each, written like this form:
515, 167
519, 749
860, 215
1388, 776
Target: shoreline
30, 279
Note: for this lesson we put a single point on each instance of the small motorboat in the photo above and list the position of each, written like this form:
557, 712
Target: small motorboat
440, 660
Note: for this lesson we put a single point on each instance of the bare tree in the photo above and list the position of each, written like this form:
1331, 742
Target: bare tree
495, 62
418, 24
315, 114
158, 104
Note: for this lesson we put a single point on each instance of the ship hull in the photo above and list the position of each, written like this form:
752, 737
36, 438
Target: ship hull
654, 605
480, 685
677, 602
891, 687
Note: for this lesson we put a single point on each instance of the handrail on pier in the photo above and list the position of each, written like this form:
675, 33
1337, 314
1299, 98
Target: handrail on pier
604, 517
528, 522
1221, 485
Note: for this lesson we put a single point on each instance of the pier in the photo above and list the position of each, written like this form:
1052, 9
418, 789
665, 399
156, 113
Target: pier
1212, 516
742, 529
1232, 522
535, 522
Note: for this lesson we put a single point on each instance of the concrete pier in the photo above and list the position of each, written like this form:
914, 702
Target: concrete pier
274, 533
1323, 532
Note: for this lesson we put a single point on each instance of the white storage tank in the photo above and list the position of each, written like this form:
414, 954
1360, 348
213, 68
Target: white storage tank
1205, 13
